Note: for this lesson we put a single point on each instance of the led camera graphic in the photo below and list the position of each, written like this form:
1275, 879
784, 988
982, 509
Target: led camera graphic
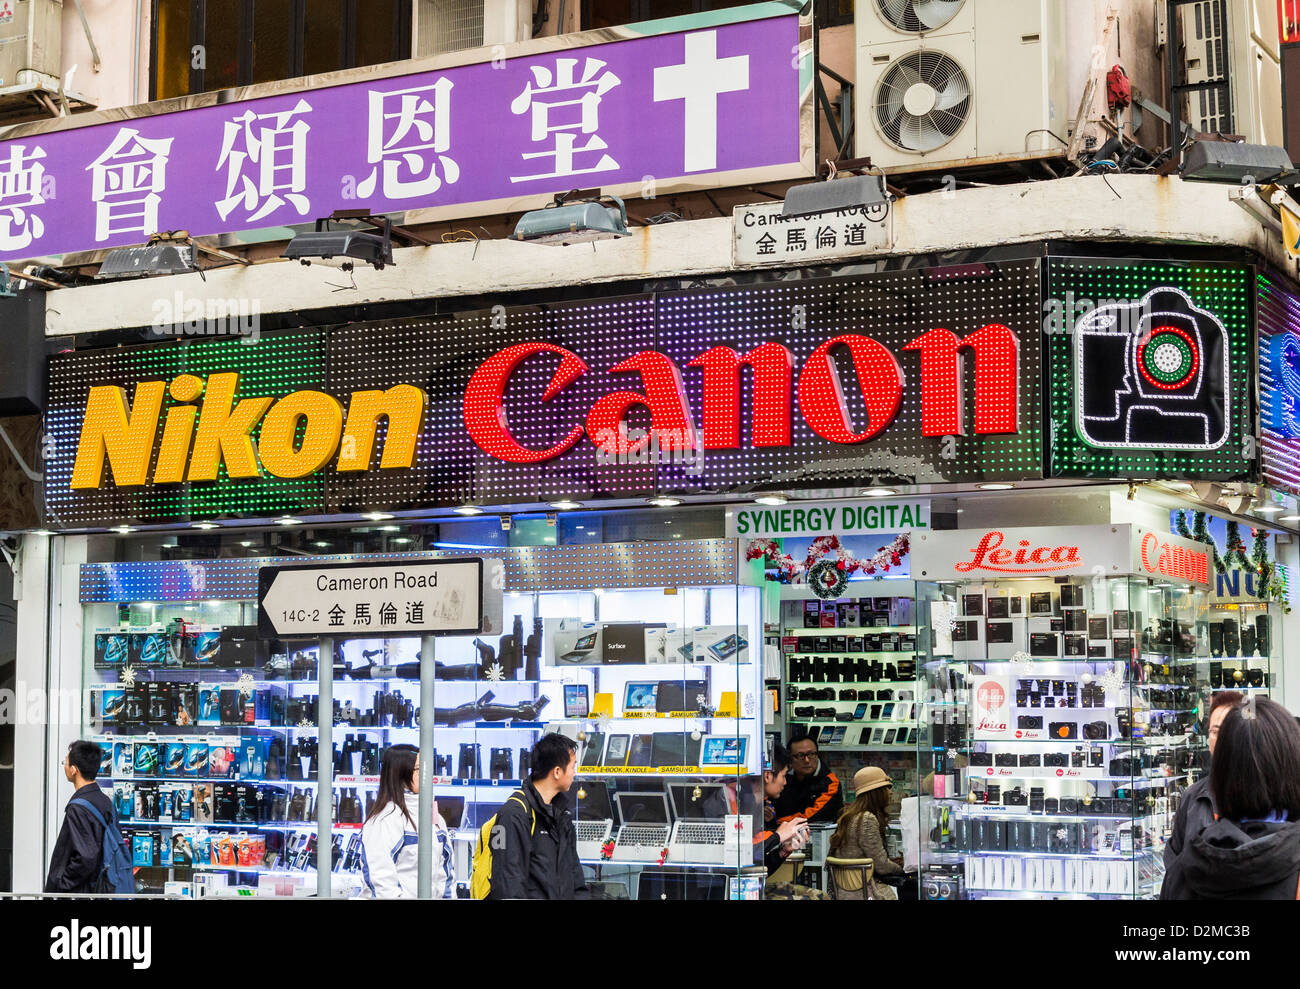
1152, 375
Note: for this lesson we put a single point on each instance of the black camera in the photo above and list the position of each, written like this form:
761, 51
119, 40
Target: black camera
848, 694
1069, 805
1058, 759
1004, 759
1096, 730
1063, 729
804, 712
1015, 797
1031, 760
1151, 373
1029, 721
980, 759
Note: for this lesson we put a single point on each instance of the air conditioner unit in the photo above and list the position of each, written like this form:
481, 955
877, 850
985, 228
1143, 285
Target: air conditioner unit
942, 83
31, 40
443, 26
1236, 38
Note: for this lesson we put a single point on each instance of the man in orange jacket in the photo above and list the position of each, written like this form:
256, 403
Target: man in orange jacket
812, 792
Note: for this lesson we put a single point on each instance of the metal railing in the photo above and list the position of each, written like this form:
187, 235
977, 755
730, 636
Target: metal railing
842, 128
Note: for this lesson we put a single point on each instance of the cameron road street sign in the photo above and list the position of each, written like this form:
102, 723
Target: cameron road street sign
363, 600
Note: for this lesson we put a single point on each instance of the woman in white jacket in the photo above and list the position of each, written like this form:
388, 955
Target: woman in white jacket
390, 837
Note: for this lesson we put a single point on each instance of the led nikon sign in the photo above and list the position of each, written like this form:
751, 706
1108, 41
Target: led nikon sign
917, 376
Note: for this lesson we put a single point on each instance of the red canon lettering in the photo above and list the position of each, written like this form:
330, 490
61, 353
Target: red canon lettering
670, 417
485, 415
773, 366
821, 400
820, 396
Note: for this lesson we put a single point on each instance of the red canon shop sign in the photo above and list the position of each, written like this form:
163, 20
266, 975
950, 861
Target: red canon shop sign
994, 347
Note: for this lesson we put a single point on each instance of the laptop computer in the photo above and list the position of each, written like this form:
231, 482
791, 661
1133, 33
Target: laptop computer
681, 695
681, 886
700, 833
592, 816
675, 748
645, 824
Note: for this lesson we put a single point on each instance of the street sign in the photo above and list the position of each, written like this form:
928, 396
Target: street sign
764, 236
434, 597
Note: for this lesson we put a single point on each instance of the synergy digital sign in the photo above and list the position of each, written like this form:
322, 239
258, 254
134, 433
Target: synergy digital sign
922, 375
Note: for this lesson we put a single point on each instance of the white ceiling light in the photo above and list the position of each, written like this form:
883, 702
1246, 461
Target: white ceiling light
879, 493
772, 499
565, 505
663, 501
468, 510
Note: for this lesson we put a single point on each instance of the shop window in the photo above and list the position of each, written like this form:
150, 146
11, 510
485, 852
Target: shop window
832, 13
612, 13
204, 45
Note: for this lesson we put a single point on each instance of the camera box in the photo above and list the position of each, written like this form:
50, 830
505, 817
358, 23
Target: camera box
812, 614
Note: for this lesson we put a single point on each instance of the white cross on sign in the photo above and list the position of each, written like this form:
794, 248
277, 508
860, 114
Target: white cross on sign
699, 81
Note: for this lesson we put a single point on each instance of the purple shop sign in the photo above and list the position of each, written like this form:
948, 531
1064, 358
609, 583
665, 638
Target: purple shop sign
720, 99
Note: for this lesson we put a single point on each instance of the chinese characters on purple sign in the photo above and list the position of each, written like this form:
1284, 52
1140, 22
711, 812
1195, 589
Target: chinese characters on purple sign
665, 106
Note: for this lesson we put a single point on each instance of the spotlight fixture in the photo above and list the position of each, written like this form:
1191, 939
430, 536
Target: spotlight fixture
351, 243
564, 505
996, 486
203, 525
851, 192
879, 493
286, 520
377, 516
123, 529
468, 510
574, 217
170, 252
1268, 509
771, 499
664, 502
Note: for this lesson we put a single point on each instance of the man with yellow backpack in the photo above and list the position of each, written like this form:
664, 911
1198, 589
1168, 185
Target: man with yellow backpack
528, 850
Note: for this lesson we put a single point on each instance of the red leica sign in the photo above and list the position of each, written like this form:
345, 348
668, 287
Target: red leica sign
991, 555
816, 388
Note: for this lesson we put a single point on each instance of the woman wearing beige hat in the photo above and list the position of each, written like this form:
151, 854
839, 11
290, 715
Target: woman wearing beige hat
861, 830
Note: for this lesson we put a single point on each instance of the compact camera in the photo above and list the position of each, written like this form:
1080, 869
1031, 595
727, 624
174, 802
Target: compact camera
1152, 374
1029, 721
1063, 729
1058, 759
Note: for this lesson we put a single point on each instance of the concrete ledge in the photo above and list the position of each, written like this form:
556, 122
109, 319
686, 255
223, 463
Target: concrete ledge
1131, 208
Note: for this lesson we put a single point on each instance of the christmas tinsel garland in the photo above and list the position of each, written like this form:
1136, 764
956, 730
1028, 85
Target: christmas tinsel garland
1258, 560
790, 571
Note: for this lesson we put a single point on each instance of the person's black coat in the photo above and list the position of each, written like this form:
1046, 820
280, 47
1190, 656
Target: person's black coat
1195, 814
537, 860
78, 855
1238, 861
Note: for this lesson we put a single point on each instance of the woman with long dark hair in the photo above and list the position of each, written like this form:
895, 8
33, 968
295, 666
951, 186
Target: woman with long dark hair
860, 833
1252, 850
391, 835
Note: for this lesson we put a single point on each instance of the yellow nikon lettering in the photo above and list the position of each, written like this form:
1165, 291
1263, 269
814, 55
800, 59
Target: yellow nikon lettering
320, 440
224, 432
178, 429
403, 405
125, 438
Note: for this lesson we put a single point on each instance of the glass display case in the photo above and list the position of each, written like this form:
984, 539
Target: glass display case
1062, 719
851, 676
212, 742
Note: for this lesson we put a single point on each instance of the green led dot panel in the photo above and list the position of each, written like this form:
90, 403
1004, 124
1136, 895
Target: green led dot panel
274, 365
1148, 369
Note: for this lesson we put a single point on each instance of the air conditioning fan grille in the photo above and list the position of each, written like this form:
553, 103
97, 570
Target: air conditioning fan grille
922, 101
918, 16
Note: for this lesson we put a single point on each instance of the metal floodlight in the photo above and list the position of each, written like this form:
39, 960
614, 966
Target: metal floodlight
565, 222
1225, 161
169, 252
162, 258
350, 243
850, 192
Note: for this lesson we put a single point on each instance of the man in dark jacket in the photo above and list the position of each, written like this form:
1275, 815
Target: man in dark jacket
812, 791
79, 852
1196, 808
535, 843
